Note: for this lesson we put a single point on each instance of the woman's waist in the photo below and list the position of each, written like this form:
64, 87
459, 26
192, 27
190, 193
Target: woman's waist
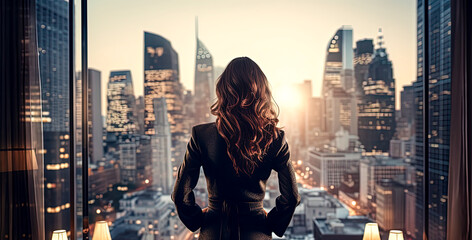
230, 205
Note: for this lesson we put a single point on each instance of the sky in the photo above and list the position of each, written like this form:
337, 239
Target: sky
288, 39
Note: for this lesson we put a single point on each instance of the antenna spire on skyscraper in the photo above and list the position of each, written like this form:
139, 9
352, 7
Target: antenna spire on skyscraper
196, 27
380, 40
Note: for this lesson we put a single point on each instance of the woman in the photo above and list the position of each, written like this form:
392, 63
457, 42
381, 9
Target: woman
238, 153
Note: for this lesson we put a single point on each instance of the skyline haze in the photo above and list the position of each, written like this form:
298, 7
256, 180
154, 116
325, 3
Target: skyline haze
290, 47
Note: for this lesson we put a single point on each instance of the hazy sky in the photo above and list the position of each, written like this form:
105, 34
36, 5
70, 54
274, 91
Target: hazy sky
288, 39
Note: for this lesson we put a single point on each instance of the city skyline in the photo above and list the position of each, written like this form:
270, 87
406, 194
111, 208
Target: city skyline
258, 41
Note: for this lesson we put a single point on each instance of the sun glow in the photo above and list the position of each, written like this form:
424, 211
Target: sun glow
287, 97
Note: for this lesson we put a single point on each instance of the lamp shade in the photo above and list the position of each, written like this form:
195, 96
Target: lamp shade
101, 231
395, 235
59, 235
371, 232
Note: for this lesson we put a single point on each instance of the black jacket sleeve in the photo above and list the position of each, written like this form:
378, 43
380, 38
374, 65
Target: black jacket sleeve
187, 177
280, 216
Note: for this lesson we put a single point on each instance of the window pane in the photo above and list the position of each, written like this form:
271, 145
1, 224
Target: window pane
351, 100
53, 46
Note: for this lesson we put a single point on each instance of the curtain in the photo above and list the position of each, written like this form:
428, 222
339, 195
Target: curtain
460, 161
21, 162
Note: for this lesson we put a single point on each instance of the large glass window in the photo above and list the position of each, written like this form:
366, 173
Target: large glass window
349, 77
54, 57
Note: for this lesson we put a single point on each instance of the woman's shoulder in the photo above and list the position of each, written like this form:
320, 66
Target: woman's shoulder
204, 129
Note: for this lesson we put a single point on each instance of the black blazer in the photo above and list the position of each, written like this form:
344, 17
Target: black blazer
227, 191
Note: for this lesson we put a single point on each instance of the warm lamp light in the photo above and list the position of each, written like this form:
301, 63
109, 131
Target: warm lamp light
101, 231
395, 235
59, 235
371, 232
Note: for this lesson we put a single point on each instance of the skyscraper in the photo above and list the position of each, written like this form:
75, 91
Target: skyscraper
339, 61
127, 159
314, 119
140, 114
377, 106
407, 103
390, 204
438, 112
121, 104
204, 82
305, 92
362, 58
340, 111
339, 107
162, 80
405, 120
161, 148
53, 46
95, 114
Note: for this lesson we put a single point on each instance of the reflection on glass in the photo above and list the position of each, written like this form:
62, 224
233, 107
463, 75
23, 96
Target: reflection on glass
53, 49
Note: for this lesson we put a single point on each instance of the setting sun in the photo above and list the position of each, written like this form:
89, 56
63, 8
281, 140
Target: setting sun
287, 97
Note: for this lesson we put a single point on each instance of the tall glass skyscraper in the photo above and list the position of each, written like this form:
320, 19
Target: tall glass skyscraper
204, 82
95, 115
161, 153
121, 115
339, 105
162, 80
339, 60
53, 47
362, 58
439, 99
377, 106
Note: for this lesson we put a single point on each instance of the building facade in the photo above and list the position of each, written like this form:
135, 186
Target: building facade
329, 166
204, 83
439, 99
127, 159
340, 111
339, 61
377, 108
338, 90
162, 175
374, 169
95, 115
147, 215
362, 58
121, 104
390, 205
162, 80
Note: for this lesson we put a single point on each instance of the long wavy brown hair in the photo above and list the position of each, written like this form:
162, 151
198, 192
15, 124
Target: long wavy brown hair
247, 116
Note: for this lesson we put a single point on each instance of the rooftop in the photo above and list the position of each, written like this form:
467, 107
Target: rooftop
353, 225
381, 160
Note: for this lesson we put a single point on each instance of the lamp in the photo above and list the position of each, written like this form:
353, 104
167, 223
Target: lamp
101, 231
371, 232
395, 235
59, 235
